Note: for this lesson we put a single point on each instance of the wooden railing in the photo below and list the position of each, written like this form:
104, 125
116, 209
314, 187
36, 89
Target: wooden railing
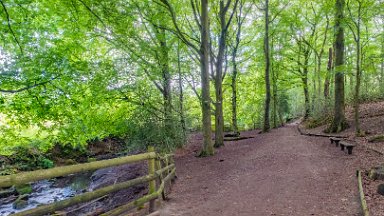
160, 167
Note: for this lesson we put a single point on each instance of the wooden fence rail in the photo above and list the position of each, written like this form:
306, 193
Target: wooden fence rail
160, 167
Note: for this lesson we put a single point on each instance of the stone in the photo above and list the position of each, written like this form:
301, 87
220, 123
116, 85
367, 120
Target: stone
21, 202
380, 189
376, 173
7, 192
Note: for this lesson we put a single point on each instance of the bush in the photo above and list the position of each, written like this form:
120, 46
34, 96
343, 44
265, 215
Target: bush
27, 158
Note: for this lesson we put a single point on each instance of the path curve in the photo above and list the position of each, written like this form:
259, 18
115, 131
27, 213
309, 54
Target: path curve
278, 173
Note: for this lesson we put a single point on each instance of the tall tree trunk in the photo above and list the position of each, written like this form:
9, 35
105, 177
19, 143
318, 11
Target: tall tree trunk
357, 90
382, 67
181, 96
339, 122
314, 81
305, 83
266, 126
205, 96
328, 75
274, 90
235, 71
319, 76
167, 97
358, 72
234, 92
219, 117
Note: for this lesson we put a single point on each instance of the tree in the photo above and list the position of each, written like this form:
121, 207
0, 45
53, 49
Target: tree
339, 122
206, 99
266, 125
240, 18
202, 21
222, 47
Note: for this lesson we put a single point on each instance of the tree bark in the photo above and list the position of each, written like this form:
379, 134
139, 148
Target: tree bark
339, 122
382, 67
358, 72
219, 118
266, 126
181, 96
274, 90
205, 85
328, 75
234, 93
235, 70
167, 96
305, 83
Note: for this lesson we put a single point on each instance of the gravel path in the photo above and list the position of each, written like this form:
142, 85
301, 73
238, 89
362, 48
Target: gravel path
278, 173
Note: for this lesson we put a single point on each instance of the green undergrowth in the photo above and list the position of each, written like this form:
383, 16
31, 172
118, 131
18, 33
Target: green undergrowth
314, 122
33, 156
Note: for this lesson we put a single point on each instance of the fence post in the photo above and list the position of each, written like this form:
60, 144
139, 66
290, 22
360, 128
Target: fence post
152, 184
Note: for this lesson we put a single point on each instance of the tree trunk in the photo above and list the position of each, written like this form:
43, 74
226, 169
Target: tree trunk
306, 97
219, 117
266, 126
181, 96
305, 83
205, 96
319, 75
234, 93
339, 122
358, 73
166, 84
382, 67
328, 75
274, 91
314, 81
235, 73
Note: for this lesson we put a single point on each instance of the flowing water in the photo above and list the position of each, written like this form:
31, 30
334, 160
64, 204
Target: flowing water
48, 191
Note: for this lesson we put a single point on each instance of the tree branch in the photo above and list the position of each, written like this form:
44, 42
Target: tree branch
10, 27
28, 86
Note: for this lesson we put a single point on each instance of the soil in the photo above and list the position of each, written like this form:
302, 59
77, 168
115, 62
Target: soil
276, 173
371, 121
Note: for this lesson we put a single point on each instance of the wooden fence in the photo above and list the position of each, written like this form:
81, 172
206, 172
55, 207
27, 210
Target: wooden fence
160, 167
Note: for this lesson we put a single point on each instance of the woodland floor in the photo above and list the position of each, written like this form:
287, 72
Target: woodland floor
277, 173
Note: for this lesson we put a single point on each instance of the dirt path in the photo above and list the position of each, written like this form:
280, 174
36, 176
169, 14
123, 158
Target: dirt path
279, 173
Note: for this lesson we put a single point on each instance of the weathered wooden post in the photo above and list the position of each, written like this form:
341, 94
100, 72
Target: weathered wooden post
152, 184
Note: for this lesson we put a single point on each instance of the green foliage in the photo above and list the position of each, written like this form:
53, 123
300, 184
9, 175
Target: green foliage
30, 158
153, 133
76, 71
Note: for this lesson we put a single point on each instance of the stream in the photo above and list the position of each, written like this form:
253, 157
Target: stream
47, 191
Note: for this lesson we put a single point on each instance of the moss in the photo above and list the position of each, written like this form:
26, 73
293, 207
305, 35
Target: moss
317, 122
20, 204
91, 159
24, 189
379, 138
204, 154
